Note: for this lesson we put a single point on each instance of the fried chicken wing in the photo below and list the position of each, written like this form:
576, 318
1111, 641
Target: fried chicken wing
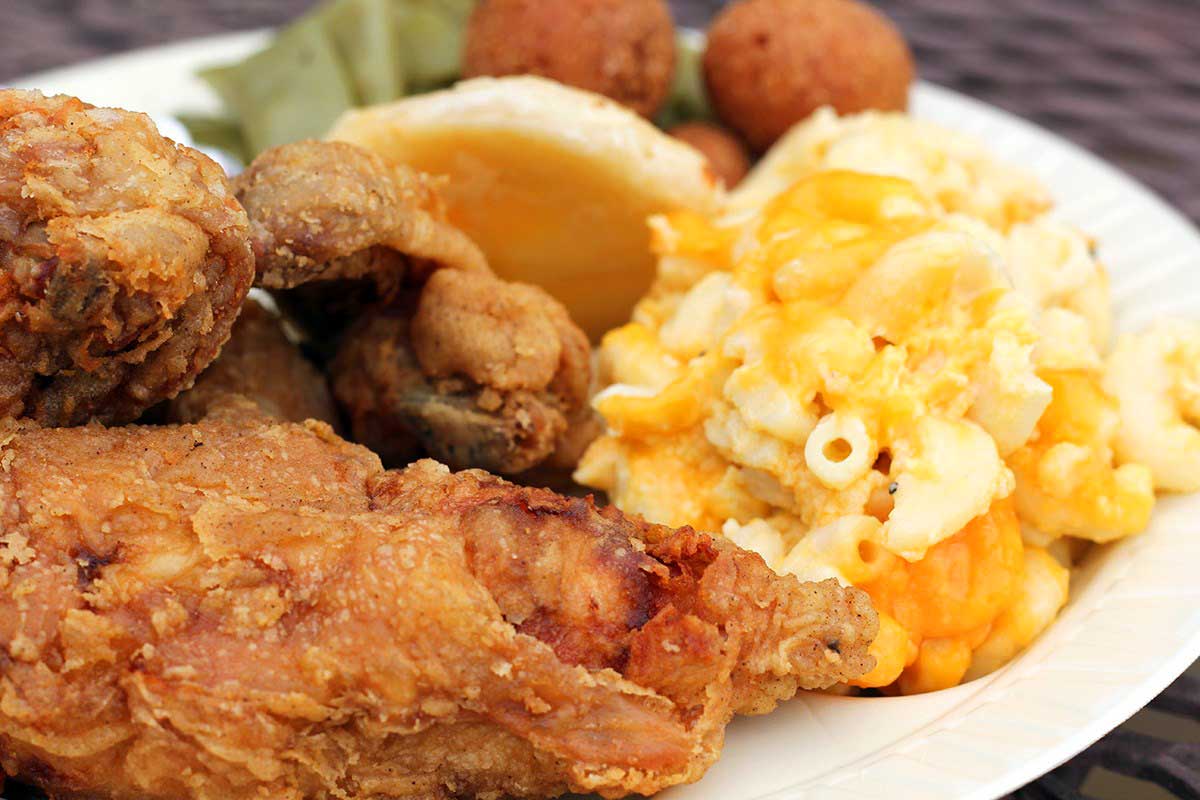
124, 259
258, 363
487, 373
334, 227
440, 356
250, 609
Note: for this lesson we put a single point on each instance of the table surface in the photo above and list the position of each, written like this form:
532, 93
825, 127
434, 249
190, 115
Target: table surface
1120, 77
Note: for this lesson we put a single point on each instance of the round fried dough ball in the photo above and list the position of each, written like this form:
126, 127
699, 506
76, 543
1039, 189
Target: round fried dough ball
726, 155
124, 260
623, 49
770, 63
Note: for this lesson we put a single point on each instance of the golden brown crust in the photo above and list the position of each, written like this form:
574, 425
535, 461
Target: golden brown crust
332, 210
495, 333
727, 157
244, 610
335, 228
770, 63
487, 373
623, 49
260, 364
123, 261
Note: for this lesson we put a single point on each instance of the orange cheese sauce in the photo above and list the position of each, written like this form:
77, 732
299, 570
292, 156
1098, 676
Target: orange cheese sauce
946, 602
718, 438
1085, 494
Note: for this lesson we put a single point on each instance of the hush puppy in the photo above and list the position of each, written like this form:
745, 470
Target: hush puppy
726, 155
770, 63
623, 49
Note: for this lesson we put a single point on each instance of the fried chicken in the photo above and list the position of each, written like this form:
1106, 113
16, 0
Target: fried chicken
258, 363
334, 227
246, 609
442, 357
487, 373
124, 259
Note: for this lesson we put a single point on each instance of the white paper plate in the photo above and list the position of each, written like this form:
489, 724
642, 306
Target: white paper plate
1133, 623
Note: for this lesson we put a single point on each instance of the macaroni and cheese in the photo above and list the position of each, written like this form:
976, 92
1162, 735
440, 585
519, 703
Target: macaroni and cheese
884, 362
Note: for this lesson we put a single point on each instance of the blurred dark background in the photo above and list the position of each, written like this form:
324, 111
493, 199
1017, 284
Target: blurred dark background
1120, 77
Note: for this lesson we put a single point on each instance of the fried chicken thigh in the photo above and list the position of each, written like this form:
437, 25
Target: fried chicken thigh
246, 609
440, 356
258, 364
124, 260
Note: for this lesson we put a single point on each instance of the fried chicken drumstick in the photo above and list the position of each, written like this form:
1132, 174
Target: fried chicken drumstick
247, 609
124, 260
440, 357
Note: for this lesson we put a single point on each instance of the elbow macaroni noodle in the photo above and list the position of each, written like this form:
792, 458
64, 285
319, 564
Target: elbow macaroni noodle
839, 450
884, 363
1155, 376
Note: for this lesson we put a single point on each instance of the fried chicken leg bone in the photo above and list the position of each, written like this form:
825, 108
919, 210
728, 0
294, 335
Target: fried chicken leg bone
248, 609
124, 260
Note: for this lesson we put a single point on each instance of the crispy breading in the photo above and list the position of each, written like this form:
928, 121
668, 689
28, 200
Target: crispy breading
243, 610
261, 364
487, 374
317, 207
123, 261
334, 226
430, 352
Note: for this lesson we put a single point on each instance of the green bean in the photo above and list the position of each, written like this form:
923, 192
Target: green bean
688, 100
223, 133
431, 39
367, 39
294, 89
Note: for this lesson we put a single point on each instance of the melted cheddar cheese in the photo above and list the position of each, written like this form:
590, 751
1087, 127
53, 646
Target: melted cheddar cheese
842, 373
